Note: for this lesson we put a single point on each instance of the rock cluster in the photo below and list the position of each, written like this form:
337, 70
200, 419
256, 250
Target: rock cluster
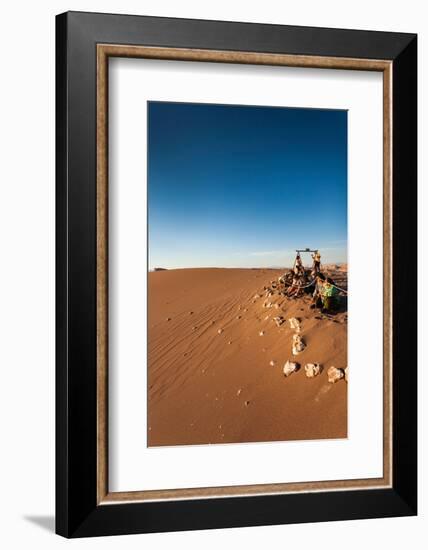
294, 324
289, 368
298, 344
334, 374
313, 369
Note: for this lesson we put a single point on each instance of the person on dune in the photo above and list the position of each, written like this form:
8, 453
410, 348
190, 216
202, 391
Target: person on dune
317, 294
316, 266
330, 296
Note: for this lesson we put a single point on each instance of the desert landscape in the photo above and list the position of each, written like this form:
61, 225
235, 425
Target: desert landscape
218, 341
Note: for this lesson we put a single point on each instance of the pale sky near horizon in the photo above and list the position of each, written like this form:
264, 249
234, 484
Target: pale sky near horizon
237, 186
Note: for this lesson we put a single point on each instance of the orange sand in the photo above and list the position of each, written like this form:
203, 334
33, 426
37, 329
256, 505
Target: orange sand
205, 387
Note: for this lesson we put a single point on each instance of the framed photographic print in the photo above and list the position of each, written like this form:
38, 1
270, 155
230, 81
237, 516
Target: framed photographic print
236, 274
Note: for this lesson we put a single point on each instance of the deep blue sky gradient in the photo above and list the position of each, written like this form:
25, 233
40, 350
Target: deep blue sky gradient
238, 186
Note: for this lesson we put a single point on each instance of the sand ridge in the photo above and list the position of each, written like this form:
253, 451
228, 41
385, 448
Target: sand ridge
210, 347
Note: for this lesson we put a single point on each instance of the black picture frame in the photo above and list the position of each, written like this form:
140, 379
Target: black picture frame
77, 511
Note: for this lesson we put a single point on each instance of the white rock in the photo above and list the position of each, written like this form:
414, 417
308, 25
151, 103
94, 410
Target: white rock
279, 321
313, 369
220, 330
294, 324
289, 368
272, 363
298, 344
261, 333
334, 374
346, 374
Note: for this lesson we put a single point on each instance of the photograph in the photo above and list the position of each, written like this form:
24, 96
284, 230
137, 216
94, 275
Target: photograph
247, 274
213, 300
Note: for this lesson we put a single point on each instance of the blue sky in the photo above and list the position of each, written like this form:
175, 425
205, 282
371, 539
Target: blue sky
239, 186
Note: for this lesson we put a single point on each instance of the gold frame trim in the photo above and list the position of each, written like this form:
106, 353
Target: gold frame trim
104, 51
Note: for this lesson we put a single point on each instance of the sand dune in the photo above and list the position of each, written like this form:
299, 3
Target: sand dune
210, 348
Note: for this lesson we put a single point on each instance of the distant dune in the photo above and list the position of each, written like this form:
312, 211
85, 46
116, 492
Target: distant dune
211, 343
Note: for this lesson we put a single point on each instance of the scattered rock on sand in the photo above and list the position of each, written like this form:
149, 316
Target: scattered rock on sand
239, 392
298, 344
346, 374
261, 333
220, 330
294, 324
313, 369
289, 368
168, 318
334, 374
246, 403
279, 320
272, 363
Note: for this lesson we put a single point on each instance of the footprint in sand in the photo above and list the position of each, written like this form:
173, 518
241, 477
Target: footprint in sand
325, 389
